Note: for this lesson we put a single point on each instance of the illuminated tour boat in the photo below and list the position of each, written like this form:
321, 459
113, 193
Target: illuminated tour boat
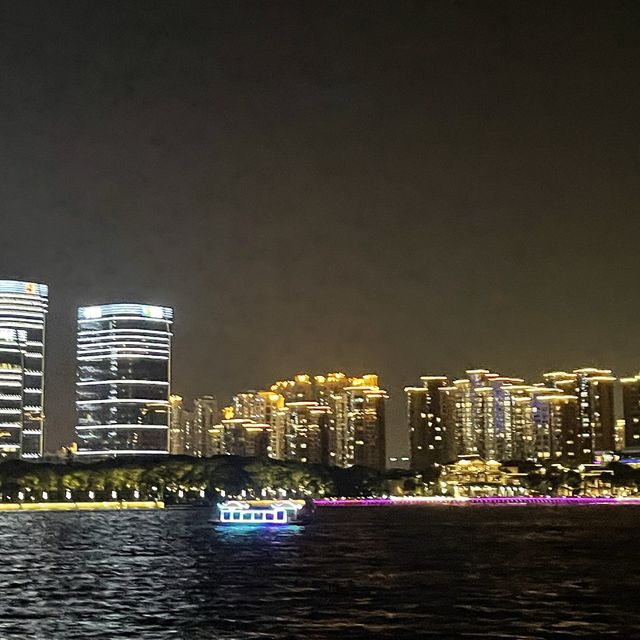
259, 512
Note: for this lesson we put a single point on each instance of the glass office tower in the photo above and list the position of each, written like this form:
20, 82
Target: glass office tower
11, 392
123, 379
23, 309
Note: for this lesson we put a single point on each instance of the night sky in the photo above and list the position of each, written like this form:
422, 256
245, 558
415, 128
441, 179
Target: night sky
404, 188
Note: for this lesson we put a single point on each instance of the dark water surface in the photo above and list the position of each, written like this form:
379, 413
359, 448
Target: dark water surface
378, 572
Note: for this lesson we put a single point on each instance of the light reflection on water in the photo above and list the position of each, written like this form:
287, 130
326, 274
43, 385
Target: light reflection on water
397, 572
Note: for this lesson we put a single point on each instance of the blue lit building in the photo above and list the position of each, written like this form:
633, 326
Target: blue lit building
23, 313
123, 379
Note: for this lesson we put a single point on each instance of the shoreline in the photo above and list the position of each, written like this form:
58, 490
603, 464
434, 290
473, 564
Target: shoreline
81, 506
399, 501
478, 500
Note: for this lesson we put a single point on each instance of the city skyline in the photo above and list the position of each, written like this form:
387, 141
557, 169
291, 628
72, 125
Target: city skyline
380, 189
319, 318
629, 385
565, 416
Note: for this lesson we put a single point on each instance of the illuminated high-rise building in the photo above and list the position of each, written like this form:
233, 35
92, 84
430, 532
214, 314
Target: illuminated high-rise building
492, 410
329, 390
620, 433
256, 440
631, 408
205, 416
264, 407
11, 393
594, 389
570, 416
307, 432
465, 405
334, 419
23, 308
216, 440
232, 436
249, 405
242, 437
191, 430
279, 421
488, 415
123, 379
430, 442
506, 431
471, 410
300, 389
522, 434
367, 425
177, 431
555, 425
449, 412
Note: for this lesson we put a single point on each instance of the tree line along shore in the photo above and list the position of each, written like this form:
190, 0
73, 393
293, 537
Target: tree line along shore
184, 479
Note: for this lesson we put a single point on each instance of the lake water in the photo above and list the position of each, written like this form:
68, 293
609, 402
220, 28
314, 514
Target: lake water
377, 572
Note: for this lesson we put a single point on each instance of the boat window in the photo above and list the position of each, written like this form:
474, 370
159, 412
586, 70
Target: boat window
247, 516
280, 515
226, 515
236, 515
258, 515
268, 516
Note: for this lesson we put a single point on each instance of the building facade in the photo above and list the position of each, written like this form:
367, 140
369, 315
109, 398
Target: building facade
594, 390
23, 309
205, 416
329, 419
631, 408
123, 379
264, 407
569, 416
366, 425
429, 440
180, 427
11, 393
555, 425
242, 437
307, 432
192, 430
176, 432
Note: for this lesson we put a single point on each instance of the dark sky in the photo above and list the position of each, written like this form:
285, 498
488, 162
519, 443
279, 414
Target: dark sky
398, 187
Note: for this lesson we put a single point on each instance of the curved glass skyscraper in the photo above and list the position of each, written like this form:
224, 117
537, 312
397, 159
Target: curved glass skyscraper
123, 379
11, 392
23, 312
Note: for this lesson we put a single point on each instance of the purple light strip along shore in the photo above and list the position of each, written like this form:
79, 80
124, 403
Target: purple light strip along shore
487, 500
354, 502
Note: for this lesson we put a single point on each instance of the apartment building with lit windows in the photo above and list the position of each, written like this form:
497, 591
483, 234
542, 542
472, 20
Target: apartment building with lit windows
429, 440
594, 390
331, 419
631, 408
569, 416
